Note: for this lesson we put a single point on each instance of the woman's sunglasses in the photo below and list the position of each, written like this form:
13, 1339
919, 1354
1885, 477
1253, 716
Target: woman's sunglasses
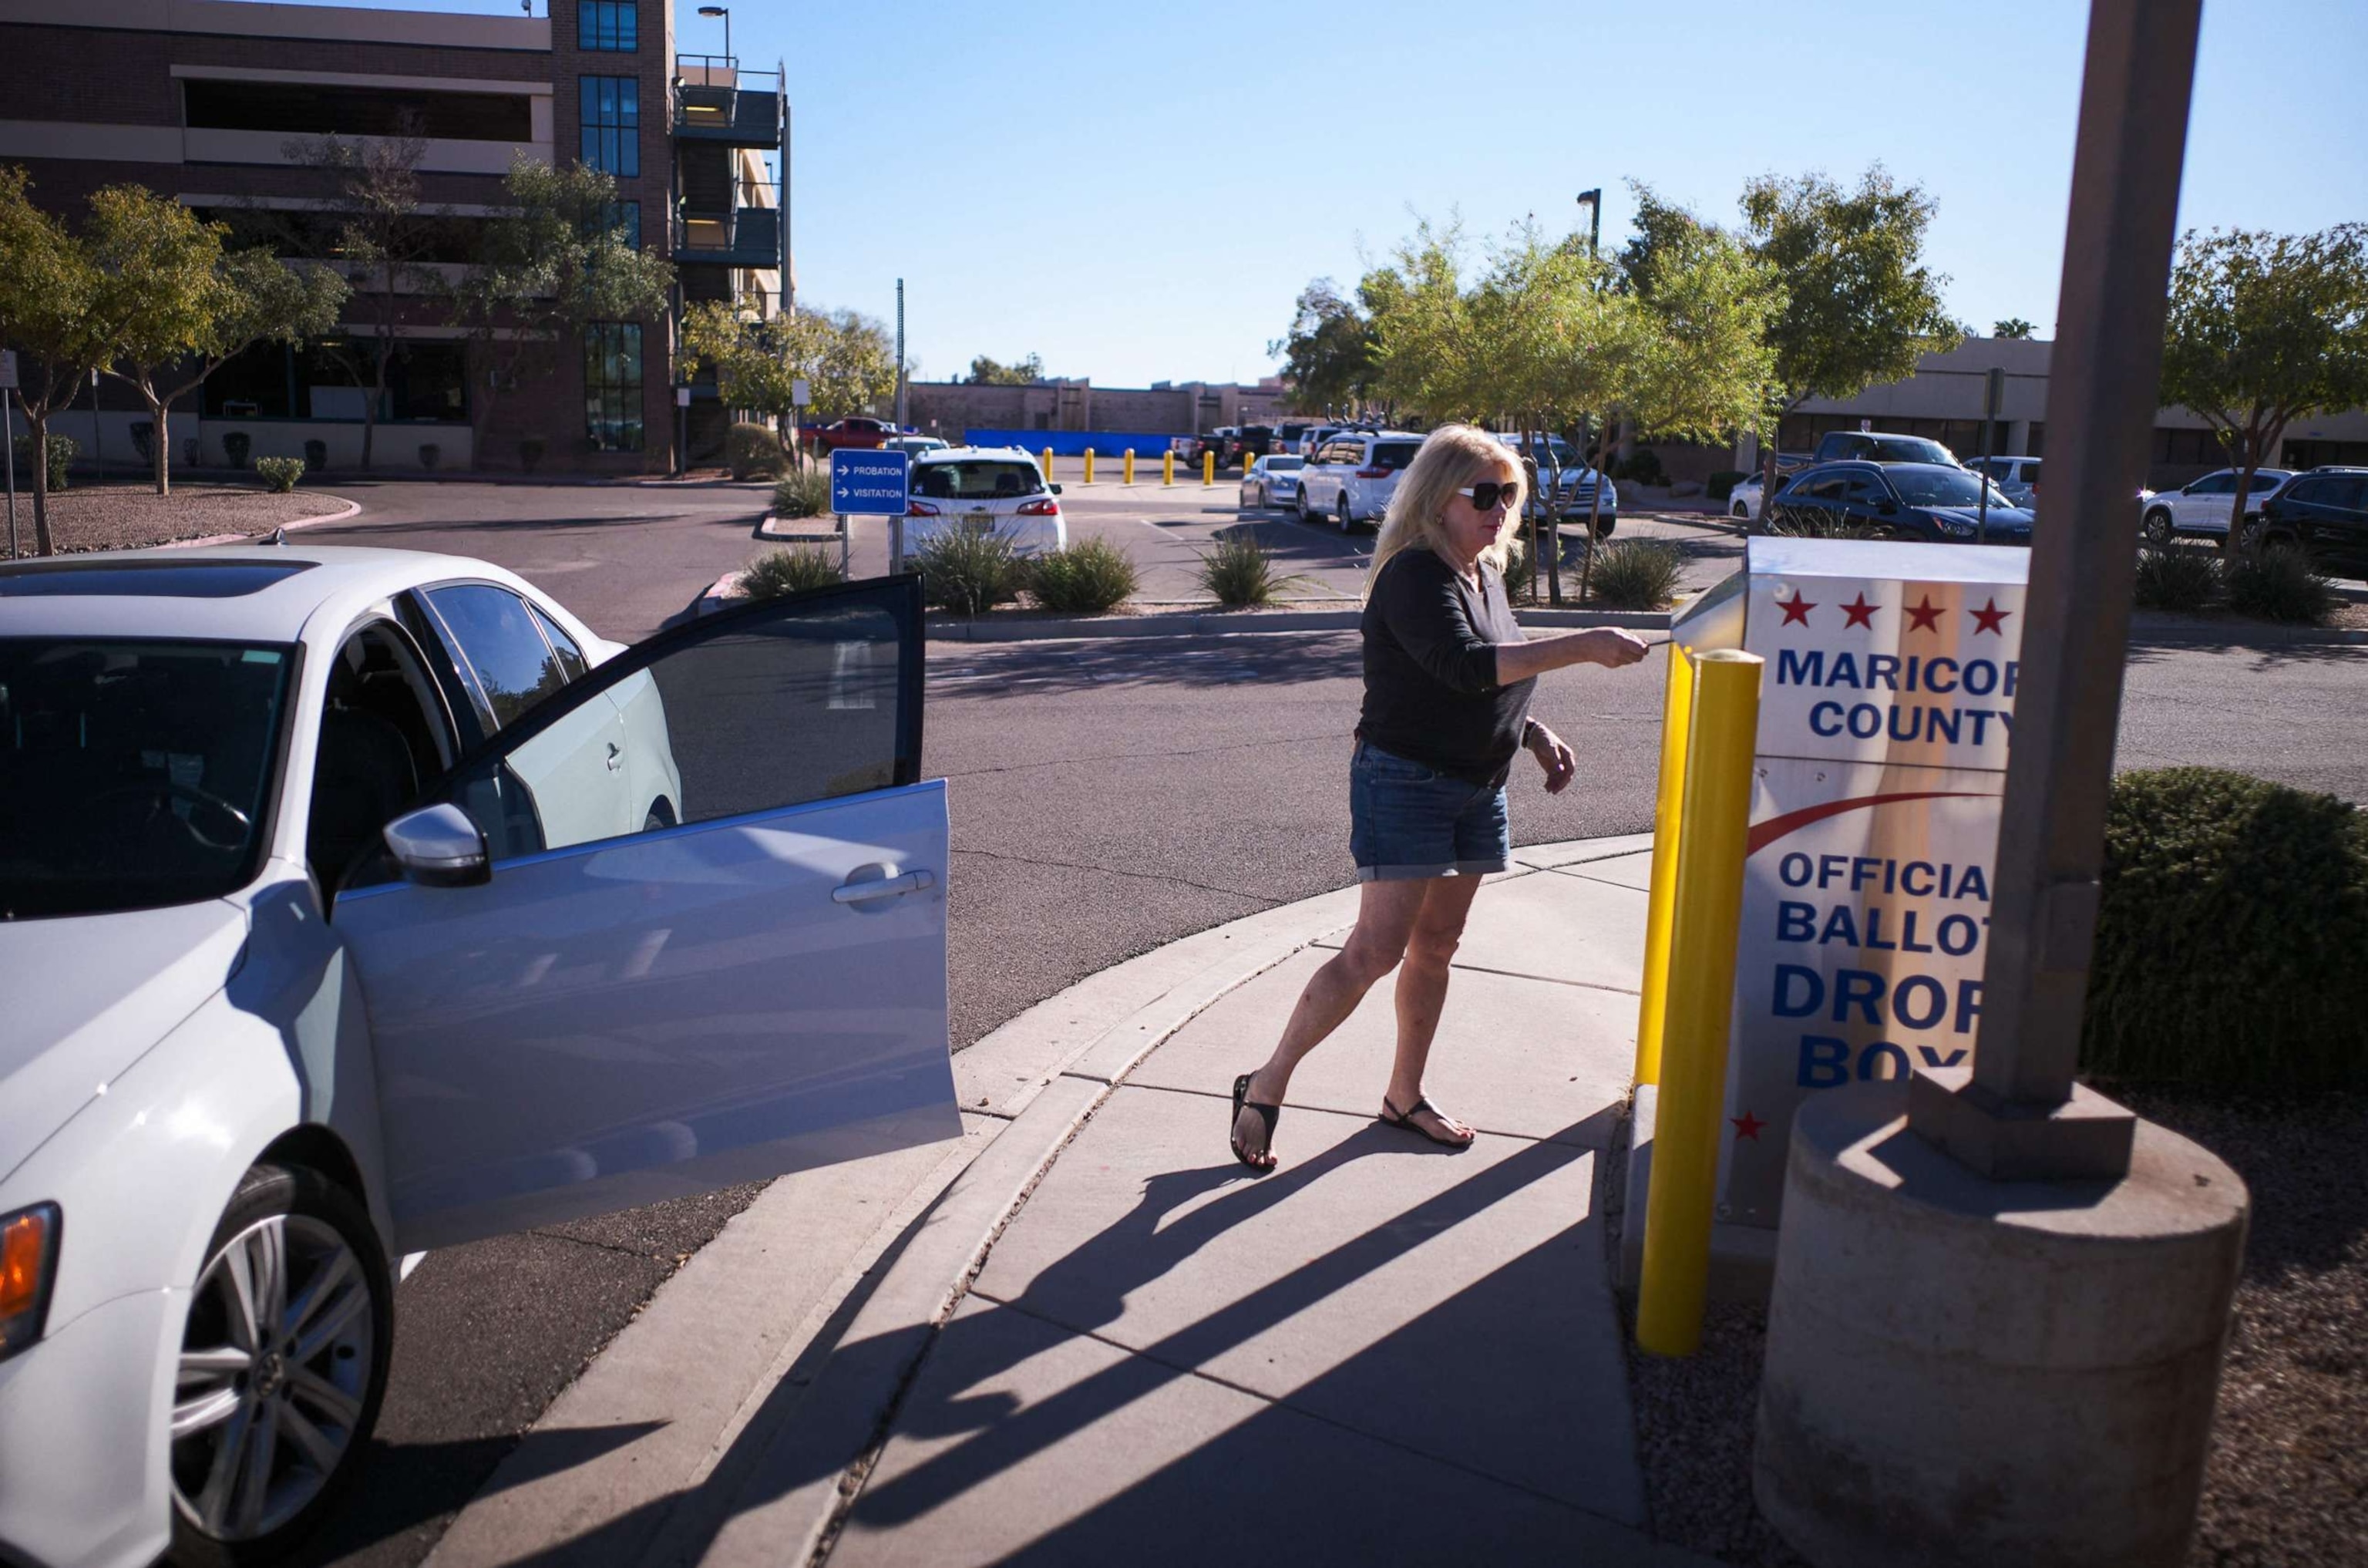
1488, 492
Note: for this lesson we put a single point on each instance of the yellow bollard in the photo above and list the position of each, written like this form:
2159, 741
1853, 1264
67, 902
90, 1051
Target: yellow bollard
1089, 465
1128, 477
1679, 1204
1677, 708
1209, 468
1167, 467
1048, 465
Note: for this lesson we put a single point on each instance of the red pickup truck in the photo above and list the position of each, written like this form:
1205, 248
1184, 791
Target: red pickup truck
851, 432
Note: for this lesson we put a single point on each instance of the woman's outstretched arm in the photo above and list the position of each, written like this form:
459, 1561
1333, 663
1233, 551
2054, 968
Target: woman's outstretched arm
1605, 645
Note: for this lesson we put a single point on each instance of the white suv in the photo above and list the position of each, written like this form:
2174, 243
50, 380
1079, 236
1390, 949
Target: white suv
996, 488
1352, 475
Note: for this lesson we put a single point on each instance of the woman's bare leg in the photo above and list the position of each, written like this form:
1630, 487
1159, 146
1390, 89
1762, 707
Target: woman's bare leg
1422, 994
1385, 918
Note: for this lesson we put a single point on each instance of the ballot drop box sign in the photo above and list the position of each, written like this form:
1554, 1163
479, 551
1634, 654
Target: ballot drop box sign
1886, 709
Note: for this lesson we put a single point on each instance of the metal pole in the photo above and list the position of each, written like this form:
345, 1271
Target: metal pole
8, 441
900, 354
2022, 1117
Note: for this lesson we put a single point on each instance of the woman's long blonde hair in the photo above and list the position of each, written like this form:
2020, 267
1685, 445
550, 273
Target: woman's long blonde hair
1452, 458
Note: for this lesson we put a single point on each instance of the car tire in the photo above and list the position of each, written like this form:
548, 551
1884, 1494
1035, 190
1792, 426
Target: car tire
2157, 530
1304, 515
660, 816
333, 1291
1347, 518
1604, 525
1741, 513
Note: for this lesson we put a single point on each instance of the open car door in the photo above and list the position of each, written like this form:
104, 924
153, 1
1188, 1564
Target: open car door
751, 982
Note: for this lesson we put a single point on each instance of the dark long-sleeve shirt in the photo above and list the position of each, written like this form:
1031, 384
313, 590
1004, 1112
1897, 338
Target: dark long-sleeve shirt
1430, 669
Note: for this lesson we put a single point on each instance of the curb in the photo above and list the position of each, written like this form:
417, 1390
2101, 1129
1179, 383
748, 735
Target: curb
776, 528
350, 508
2160, 628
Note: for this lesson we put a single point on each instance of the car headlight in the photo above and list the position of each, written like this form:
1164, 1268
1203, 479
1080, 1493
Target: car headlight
1955, 528
28, 1263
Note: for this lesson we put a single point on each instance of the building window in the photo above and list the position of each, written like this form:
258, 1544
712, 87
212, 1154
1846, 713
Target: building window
613, 125
612, 386
624, 218
608, 24
307, 109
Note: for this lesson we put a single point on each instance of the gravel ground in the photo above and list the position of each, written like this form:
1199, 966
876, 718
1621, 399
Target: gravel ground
125, 517
2287, 1486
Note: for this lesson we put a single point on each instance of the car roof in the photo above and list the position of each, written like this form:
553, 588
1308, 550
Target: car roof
329, 587
957, 454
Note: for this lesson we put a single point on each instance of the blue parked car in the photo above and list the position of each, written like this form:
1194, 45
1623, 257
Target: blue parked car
1935, 502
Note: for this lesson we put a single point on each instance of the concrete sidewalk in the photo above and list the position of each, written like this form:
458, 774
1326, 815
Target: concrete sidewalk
1089, 1335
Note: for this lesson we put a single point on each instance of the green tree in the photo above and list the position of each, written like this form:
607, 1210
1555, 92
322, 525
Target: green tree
556, 260
750, 373
1330, 356
2263, 330
176, 305
1860, 305
385, 235
846, 358
49, 289
2013, 326
986, 372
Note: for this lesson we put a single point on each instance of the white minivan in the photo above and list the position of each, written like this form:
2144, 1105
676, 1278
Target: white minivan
1353, 474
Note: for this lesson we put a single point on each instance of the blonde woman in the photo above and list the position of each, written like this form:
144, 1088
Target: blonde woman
1447, 680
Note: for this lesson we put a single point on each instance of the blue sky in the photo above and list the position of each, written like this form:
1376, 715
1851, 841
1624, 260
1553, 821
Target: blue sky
1138, 194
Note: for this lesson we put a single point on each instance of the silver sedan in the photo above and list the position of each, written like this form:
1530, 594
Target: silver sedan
1272, 480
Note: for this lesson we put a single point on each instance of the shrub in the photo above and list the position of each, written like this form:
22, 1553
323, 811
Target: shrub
1092, 577
1820, 525
752, 452
1643, 468
970, 570
1521, 577
430, 454
236, 444
1722, 483
144, 439
531, 451
61, 451
192, 450
2174, 579
2229, 937
281, 473
780, 572
316, 455
1636, 573
1240, 572
2277, 584
803, 493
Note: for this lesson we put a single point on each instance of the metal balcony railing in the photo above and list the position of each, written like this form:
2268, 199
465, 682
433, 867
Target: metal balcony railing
717, 100
747, 235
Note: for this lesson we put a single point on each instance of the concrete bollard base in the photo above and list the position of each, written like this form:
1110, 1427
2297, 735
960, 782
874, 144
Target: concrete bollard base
1962, 1372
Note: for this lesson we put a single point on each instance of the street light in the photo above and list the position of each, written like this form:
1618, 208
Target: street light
724, 12
1593, 202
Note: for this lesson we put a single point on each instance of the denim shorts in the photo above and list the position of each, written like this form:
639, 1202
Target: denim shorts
1407, 821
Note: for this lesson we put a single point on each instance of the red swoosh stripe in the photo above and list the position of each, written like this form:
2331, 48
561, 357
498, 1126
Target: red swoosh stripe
1774, 828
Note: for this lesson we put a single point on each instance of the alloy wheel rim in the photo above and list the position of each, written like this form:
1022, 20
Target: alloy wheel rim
274, 1368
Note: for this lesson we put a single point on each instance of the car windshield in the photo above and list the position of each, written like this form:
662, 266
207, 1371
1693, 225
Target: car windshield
1943, 487
1556, 452
985, 480
1395, 454
1275, 463
133, 773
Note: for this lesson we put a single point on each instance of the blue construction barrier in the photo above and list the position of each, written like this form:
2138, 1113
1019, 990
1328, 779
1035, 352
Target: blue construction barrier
1075, 443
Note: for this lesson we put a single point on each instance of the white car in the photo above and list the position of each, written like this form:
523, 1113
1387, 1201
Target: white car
1553, 455
1353, 474
2202, 507
1272, 480
914, 446
358, 902
2017, 478
996, 488
1743, 501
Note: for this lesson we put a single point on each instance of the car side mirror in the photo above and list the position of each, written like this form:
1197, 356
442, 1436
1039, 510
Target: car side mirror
1053, 488
438, 846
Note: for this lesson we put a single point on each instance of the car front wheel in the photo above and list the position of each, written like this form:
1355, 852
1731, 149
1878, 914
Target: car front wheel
1304, 515
1348, 519
283, 1363
2158, 530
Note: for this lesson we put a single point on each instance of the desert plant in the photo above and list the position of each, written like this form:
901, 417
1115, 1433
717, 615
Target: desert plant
1643, 468
1240, 572
430, 454
1636, 574
752, 452
316, 455
801, 493
62, 450
236, 444
1520, 573
780, 572
1820, 525
531, 451
1092, 577
2277, 585
281, 473
969, 569
191, 450
2174, 579
2228, 938
144, 439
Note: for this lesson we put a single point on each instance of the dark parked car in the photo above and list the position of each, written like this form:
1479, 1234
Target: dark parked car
2324, 513
1880, 446
1937, 503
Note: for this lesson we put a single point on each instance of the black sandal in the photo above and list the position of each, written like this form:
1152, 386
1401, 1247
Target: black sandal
1267, 1114
1392, 1117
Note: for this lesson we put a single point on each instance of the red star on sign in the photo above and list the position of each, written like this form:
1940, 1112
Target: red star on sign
1925, 617
1796, 612
1747, 1126
1991, 618
1860, 613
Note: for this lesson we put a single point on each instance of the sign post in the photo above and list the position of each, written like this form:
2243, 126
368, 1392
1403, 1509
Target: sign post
682, 429
870, 481
8, 439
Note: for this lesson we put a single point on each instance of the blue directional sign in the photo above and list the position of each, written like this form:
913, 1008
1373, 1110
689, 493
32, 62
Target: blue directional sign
866, 482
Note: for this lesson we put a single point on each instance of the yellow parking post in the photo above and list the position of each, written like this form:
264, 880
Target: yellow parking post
1209, 468
1089, 465
1680, 1202
1167, 467
1128, 478
1677, 708
1048, 465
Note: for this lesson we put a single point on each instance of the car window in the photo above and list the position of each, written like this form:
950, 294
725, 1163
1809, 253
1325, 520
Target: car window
491, 631
1394, 455
383, 741
572, 662
2031, 474
1865, 488
1830, 488
1944, 487
980, 480
2214, 484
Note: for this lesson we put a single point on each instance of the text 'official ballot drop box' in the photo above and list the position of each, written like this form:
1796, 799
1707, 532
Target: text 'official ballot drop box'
1886, 706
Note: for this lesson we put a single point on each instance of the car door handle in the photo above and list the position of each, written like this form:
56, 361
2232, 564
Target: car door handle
888, 887
616, 756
